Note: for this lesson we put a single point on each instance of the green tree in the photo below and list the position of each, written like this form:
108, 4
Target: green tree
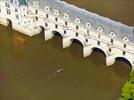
128, 89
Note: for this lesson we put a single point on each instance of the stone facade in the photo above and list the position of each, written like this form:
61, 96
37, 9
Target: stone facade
114, 39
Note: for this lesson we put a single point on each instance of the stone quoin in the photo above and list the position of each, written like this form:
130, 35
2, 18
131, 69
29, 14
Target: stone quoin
30, 17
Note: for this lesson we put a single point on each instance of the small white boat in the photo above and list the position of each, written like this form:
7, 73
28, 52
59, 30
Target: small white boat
60, 70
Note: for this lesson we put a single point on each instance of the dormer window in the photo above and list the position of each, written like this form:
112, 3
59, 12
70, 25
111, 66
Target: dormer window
66, 16
77, 21
16, 2
16, 10
7, 5
125, 39
35, 4
56, 12
88, 25
100, 29
47, 8
11, 1
112, 34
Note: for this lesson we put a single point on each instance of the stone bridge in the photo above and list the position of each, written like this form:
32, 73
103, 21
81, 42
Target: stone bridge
114, 39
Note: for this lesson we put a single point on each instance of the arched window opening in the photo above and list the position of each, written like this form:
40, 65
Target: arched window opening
56, 26
56, 19
65, 32
36, 11
76, 34
111, 41
46, 24
36, 18
98, 36
98, 43
77, 27
86, 40
46, 15
110, 50
124, 53
125, 46
66, 23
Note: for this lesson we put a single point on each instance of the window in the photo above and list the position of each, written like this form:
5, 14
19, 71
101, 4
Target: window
66, 23
11, 1
112, 34
46, 24
77, 27
112, 41
124, 45
36, 18
88, 25
98, 36
65, 32
125, 39
7, 5
87, 32
8, 12
16, 10
77, 20
35, 4
56, 26
99, 29
110, 50
56, 19
98, 42
56, 12
46, 15
76, 34
16, 2
66, 16
36, 11
86, 40
47, 8
17, 16
124, 53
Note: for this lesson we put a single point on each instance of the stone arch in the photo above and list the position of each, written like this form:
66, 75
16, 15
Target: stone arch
100, 50
42, 28
57, 33
77, 40
79, 46
125, 60
9, 23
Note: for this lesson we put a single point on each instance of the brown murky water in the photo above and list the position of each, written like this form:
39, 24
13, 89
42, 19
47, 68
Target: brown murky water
28, 69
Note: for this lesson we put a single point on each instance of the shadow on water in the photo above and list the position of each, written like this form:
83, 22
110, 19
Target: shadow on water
125, 61
57, 38
76, 49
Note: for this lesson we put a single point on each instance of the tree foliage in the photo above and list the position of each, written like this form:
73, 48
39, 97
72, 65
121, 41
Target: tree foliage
128, 89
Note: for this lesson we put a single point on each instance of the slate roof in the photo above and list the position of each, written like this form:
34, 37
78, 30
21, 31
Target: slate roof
22, 2
95, 20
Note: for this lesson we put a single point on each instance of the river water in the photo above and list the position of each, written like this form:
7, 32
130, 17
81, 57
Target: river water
30, 70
